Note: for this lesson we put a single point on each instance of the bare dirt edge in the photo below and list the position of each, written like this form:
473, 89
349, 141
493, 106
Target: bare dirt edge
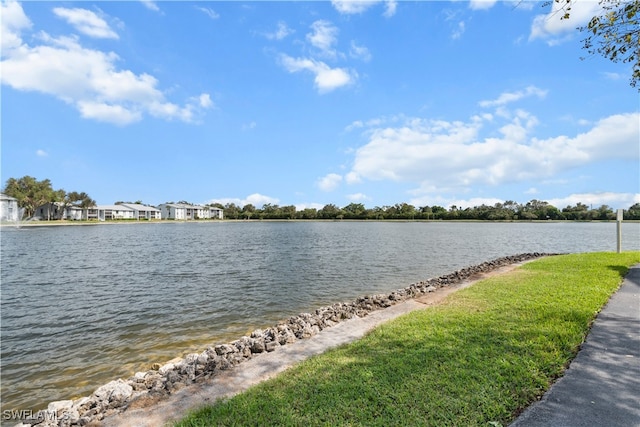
267, 365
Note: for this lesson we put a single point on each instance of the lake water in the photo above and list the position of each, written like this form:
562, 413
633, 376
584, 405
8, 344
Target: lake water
83, 305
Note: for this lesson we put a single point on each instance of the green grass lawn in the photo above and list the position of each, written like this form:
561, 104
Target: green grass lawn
478, 359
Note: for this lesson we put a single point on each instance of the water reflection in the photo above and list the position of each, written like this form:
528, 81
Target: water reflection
83, 305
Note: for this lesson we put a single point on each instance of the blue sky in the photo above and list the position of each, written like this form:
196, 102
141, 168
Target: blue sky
311, 103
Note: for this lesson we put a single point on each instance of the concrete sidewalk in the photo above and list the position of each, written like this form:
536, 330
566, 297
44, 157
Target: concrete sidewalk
602, 385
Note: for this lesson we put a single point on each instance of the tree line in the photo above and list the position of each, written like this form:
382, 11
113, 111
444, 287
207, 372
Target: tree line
507, 211
32, 193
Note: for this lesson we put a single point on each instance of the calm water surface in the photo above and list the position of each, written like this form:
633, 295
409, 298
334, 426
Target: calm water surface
81, 306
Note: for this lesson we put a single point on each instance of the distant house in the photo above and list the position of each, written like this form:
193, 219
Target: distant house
143, 211
111, 212
134, 211
215, 213
9, 208
186, 212
75, 213
57, 210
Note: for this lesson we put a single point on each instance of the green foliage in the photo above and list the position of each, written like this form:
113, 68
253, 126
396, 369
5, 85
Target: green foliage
614, 33
633, 213
479, 358
32, 193
507, 211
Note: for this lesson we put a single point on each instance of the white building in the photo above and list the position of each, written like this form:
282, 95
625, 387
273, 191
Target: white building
57, 210
186, 212
9, 210
111, 212
142, 211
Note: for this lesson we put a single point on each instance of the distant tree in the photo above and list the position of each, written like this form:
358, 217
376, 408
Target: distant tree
633, 212
579, 212
308, 213
390, 212
30, 193
354, 211
613, 33
231, 211
330, 211
248, 211
500, 213
406, 211
453, 212
271, 211
482, 212
439, 212
63, 200
82, 200
539, 209
288, 212
603, 213
376, 213
137, 202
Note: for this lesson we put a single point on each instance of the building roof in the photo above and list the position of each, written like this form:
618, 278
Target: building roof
183, 205
139, 207
5, 197
112, 208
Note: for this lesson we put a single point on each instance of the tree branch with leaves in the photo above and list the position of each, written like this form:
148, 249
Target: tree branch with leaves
613, 33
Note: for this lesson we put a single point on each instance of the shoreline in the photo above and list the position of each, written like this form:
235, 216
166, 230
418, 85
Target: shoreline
65, 223
150, 388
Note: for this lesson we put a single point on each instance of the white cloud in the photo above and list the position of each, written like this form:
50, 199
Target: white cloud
392, 5
441, 154
41, 153
358, 197
151, 5
249, 126
102, 112
613, 200
303, 206
532, 190
351, 7
12, 23
256, 199
326, 78
352, 178
359, 52
87, 22
209, 12
482, 4
475, 201
459, 31
205, 100
448, 202
87, 79
329, 182
358, 124
552, 28
225, 201
509, 97
323, 37
612, 76
280, 33
259, 200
